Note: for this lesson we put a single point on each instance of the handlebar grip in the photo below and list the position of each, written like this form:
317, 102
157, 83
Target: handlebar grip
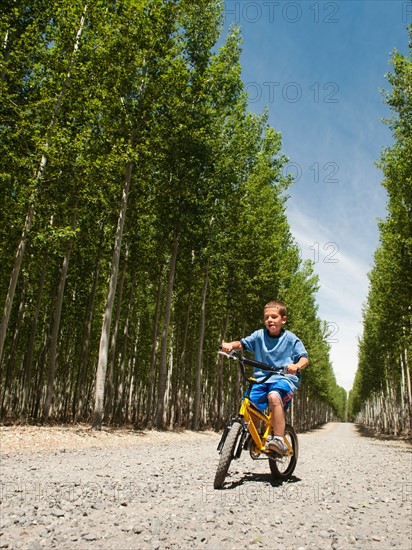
225, 353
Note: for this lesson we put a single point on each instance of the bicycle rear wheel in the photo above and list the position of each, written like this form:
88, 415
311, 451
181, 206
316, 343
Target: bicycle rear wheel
227, 454
282, 467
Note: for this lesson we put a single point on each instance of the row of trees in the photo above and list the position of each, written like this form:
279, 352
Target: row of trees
382, 395
143, 218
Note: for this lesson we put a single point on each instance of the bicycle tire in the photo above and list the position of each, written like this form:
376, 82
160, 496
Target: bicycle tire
283, 467
227, 454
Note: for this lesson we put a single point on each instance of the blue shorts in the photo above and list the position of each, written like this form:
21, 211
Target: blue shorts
259, 393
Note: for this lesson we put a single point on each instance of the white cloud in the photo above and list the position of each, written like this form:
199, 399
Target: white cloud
343, 289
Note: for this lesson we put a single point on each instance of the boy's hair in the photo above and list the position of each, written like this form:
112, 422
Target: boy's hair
278, 305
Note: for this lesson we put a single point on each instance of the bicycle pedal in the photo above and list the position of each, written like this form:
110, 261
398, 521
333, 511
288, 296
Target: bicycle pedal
253, 451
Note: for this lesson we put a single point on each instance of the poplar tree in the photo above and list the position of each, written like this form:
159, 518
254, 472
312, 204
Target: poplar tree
382, 393
52, 49
157, 221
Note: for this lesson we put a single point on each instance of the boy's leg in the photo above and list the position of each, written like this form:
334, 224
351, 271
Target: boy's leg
278, 414
259, 398
277, 443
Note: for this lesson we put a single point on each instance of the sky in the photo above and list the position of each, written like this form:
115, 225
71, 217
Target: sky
319, 68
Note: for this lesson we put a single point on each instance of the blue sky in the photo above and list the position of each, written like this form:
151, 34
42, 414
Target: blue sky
319, 66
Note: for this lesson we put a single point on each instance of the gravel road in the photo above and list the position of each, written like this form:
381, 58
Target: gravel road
73, 488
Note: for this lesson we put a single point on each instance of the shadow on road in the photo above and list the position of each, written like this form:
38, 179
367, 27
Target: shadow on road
364, 431
262, 478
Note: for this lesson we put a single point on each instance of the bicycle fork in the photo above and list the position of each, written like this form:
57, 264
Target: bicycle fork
241, 440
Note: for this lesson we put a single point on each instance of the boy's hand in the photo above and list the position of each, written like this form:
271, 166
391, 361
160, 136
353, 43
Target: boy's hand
227, 347
230, 346
293, 369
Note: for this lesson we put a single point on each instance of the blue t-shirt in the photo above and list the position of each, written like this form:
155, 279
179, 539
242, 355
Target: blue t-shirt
276, 351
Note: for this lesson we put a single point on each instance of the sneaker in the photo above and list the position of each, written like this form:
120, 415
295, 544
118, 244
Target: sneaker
278, 445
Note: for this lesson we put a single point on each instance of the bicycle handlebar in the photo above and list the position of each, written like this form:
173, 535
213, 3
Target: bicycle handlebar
237, 355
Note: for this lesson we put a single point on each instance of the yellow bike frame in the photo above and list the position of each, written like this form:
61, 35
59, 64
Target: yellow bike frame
247, 409
251, 428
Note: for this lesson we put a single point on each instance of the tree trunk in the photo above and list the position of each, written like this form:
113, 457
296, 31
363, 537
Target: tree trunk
10, 386
77, 405
198, 384
112, 353
220, 366
6, 55
121, 375
55, 332
182, 373
13, 280
107, 317
151, 386
160, 420
30, 349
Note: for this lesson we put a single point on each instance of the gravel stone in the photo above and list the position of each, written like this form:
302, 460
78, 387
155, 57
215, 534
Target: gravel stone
72, 488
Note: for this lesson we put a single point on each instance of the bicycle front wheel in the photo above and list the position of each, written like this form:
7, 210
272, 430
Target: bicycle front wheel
282, 467
227, 454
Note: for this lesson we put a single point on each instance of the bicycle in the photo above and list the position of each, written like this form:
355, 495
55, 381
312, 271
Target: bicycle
241, 432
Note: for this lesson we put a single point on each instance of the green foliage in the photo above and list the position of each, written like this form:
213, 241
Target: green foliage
87, 88
386, 346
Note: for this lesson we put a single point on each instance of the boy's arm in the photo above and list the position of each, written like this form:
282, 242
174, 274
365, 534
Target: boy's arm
229, 346
294, 368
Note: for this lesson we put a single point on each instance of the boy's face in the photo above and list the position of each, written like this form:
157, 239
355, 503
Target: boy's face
273, 321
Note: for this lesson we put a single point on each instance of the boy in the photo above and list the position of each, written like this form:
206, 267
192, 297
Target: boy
277, 347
